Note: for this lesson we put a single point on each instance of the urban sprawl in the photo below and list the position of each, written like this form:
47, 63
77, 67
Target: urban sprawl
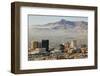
67, 50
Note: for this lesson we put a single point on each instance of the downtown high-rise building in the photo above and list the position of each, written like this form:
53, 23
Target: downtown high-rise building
45, 44
73, 44
34, 44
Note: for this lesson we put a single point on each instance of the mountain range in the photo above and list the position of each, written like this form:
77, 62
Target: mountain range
59, 32
63, 24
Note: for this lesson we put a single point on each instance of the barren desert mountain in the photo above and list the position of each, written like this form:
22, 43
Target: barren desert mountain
59, 32
63, 24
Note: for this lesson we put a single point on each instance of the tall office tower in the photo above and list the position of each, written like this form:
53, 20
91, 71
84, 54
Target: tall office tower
34, 44
73, 44
67, 45
45, 44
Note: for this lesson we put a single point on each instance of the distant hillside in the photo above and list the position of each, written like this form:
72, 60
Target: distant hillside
63, 24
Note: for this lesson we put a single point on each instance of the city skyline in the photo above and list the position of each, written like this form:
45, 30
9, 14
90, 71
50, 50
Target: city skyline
57, 37
67, 50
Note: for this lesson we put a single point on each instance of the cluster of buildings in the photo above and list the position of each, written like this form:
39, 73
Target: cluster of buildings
65, 50
37, 47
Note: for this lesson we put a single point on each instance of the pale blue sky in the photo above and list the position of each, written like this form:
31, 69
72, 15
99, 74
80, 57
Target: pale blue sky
43, 19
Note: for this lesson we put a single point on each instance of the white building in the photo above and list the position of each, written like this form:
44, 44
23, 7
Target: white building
73, 44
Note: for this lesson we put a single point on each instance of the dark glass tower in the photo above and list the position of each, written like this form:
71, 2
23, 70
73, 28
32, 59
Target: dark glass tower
45, 44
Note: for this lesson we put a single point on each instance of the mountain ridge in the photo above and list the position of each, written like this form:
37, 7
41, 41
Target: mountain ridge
63, 24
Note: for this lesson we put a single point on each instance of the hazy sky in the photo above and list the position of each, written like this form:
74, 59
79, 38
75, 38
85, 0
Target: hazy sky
42, 19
